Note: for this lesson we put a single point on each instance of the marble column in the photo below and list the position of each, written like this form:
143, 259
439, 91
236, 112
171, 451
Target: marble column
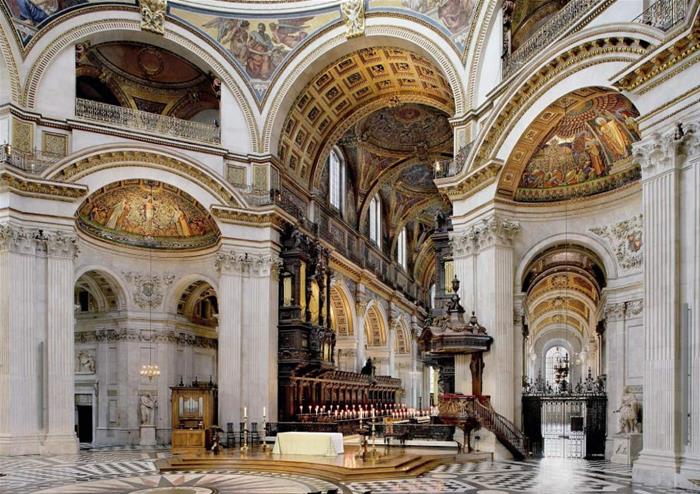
494, 308
230, 265
22, 344
61, 250
615, 364
661, 158
361, 303
394, 323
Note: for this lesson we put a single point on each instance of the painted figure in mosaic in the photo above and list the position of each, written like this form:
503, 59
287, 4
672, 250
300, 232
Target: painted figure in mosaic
614, 137
259, 60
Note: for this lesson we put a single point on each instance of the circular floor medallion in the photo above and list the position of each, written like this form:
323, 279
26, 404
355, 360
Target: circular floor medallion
175, 490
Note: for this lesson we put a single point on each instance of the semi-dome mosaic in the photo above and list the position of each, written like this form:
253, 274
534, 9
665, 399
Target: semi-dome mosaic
579, 146
144, 213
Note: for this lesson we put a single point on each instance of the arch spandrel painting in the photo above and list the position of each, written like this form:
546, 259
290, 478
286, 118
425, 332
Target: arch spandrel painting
144, 213
586, 149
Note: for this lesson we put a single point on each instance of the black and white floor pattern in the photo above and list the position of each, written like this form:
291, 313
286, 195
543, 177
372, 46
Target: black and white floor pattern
133, 471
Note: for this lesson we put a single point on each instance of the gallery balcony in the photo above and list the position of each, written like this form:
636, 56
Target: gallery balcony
664, 14
147, 122
34, 161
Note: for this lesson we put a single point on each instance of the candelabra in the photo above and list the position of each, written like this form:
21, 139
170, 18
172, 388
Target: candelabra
263, 434
244, 448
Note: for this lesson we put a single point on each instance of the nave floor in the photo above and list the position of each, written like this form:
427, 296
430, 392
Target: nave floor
125, 470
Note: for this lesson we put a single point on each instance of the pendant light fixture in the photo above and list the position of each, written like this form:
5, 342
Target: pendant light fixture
150, 370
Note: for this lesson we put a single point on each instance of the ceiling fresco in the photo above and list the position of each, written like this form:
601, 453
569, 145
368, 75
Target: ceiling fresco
258, 45
579, 146
144, 213
406, 128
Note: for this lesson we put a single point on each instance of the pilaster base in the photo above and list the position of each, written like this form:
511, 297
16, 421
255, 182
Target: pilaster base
656, 468
147, 435
15, 445
56, 444
626, 448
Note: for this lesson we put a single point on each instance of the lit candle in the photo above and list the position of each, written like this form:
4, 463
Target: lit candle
301, 409
264, 412
245, 412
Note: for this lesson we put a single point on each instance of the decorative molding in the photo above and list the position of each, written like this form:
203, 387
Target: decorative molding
624, 310
495, 231
463, 243
354, 17
625, 240
475, 181
275, 218
235, 262
61, 245
148, 288
153, 15
40, 188
659, 152
144, 335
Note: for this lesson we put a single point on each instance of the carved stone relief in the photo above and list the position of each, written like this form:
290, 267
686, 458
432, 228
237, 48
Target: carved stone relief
625, 239
148, 289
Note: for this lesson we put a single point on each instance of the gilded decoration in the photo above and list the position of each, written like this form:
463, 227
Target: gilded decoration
625, 239
149, 214
22, 135
340, 93
580, 145
54, 144
354, 17
153, 15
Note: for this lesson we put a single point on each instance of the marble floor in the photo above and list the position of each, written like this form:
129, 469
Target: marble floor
134, 471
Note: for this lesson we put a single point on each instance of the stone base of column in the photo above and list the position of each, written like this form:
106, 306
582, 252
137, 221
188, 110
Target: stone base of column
15, 445
689, 477
626, 448
56, 444
656, 468
147, 435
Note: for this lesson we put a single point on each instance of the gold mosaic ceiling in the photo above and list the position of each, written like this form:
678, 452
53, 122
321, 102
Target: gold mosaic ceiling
349, 89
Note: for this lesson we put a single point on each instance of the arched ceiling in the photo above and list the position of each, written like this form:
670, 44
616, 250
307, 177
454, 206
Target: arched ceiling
374, 328
348, 90
580, 145
199, 304
144, 213
105, 292
340, 313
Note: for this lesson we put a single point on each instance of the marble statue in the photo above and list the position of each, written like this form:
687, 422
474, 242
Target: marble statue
86, 362
629, 413
147, 405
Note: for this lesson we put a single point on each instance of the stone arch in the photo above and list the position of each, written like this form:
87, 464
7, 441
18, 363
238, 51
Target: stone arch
332, 45
375, 325
174, 295
112, 292
105, 23
402, 343
10, 83
100, 165
342, 309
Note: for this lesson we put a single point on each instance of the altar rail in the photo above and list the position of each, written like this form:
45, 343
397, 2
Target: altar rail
129, 118
402, 431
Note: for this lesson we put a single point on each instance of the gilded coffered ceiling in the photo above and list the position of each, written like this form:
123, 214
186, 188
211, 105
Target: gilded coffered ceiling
578, 146
350, 89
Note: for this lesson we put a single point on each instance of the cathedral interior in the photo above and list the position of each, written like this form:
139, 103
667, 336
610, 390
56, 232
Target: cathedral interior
349, 246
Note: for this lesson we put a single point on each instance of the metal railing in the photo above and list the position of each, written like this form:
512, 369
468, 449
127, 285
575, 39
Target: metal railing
450, 168
549, 32
34, 161
664, 14
146, 121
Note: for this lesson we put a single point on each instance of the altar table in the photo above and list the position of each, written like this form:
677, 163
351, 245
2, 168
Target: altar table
309, 443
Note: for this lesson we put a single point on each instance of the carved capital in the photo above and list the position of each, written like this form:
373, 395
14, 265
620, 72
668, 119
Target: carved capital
615, 312
634, 307
234, 262
464, 243
495, 230
17, 239
661, 152
62, 245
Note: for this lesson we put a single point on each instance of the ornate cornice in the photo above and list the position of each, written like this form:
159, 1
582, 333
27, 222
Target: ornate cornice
275, 218
236, 262
661, 63
40, 188
475, 181
34, 241
144, 335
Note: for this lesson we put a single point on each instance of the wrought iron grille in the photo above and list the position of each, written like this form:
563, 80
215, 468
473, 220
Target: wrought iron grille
146, 121
664, 14
34, 161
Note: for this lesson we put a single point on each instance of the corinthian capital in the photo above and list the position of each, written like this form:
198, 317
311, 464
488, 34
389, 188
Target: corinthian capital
662, 151
235, 262
463, 243
61, 244
17, 239
615, 312
495, 230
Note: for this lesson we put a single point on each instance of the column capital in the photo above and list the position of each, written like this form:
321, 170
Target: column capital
463, 243
236, 262
495, 230
620, 311
663, 151
32, 241
63, 245
17, 239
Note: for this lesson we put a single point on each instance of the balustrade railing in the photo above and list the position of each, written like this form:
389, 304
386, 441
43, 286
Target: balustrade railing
664, 14
34, 161
450, 168
549, 32
145, 121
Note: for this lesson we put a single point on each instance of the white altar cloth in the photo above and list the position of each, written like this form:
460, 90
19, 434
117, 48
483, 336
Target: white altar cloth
309, 443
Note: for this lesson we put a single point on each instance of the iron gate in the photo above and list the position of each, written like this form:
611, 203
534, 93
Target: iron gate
569, 423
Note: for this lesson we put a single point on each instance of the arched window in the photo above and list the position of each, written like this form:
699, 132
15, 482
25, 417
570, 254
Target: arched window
401, 247
375, 220
433, 290
556, 357
336, 177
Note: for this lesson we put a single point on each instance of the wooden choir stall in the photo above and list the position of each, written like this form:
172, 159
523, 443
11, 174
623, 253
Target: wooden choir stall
193, 414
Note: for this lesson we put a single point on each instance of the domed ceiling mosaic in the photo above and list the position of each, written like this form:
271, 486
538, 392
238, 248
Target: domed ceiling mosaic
579, 146
151, 214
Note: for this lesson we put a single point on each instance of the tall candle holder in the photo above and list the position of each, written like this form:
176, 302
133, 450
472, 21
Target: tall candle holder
263, 434
244, 448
